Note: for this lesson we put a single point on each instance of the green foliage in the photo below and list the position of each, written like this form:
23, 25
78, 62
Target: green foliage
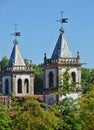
86, 110
31, 116
38, 78
77, 114
87, 75
27, 114
4, 62
87, 79
67, 111
5, 121
69, 114
65, 87
26, 62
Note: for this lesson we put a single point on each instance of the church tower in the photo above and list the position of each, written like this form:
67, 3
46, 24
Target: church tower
17, 78
55, 66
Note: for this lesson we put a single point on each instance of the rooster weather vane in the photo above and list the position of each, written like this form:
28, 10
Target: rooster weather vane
16, 34
62, 20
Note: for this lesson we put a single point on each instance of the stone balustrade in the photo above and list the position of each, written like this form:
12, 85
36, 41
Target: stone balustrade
62, 61
17, 68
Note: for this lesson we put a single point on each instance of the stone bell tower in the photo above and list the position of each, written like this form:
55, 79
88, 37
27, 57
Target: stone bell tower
17, 78
55, 66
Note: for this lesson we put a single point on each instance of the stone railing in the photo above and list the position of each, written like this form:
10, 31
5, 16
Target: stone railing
17, 68
62, 61
51, 61
68, 60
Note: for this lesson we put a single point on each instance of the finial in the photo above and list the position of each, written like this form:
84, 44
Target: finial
78, 55
45, 56
62, 20
15, 42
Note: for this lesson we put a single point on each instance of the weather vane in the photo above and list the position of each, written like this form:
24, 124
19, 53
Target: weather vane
16, 33
62, 20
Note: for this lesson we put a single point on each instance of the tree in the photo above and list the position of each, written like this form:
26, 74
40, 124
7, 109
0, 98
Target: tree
38, 78
5, 120
86, 110
32, 116
77, 114
65, 87
4, 62
87, 79
26, 62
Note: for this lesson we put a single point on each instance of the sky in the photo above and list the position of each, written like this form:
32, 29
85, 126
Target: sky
36, 20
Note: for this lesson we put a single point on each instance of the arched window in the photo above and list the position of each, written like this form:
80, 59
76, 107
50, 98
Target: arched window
19, 86
73, 75
51, 79
51, 102
26, 85
6, 87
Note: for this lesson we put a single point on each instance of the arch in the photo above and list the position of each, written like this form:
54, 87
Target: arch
73, 75
51, 79
26, 85
19, 86
6, 87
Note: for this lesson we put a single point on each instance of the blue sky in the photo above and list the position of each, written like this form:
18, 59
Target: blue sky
36, 21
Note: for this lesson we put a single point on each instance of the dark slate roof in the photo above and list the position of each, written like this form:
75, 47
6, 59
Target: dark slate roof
61, 49
16, 57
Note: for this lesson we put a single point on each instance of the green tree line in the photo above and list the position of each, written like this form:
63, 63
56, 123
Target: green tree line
67, 114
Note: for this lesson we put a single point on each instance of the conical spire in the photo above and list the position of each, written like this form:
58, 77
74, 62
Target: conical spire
61, 49
16, 57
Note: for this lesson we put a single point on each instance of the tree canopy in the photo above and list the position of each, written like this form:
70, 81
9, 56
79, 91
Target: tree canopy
27, 114
68, 114
4, 62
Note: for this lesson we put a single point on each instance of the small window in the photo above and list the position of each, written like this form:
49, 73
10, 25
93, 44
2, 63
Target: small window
73, 77
6, 87
51, 79
26, 85
19, 86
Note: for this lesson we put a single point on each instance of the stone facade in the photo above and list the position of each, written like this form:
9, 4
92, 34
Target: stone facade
17, 78
60, 61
